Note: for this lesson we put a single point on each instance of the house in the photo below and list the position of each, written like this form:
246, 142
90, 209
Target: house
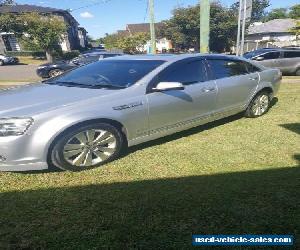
74, 39
162, 44
274, 33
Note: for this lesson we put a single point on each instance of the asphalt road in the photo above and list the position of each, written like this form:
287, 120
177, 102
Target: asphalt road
18, 73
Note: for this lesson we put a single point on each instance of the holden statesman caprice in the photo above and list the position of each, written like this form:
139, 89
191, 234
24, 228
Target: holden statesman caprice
84, 118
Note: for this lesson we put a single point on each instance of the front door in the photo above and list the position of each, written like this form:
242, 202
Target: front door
175, 109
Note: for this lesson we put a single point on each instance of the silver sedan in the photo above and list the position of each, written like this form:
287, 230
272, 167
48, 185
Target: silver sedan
84, 118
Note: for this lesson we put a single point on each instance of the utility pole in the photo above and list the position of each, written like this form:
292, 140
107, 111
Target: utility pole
243, 28
152, 26
204, 26
238, 41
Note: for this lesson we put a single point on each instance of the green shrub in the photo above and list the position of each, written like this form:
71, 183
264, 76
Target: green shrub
26, 53
70, 55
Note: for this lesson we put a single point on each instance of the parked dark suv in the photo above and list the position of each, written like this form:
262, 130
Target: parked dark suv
285, 59
57, 68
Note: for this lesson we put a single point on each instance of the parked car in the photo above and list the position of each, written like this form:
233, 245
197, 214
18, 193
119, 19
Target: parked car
55, 69
8, 60
285, 59
84, 118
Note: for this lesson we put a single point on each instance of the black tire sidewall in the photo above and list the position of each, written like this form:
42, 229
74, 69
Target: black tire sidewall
249, 111
56, 153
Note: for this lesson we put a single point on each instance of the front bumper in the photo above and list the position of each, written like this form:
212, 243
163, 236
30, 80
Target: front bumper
24, 167
16, 154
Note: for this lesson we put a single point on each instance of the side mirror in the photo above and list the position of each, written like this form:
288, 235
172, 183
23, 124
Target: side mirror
164, 86
259, 58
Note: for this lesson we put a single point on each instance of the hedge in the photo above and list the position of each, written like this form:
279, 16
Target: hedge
26, 53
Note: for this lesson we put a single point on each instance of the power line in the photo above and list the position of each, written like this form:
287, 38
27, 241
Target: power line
90, 5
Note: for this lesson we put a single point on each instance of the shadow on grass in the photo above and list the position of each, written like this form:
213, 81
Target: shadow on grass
294, 127
153, 214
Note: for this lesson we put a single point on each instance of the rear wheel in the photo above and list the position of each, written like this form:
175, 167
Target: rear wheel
55, 72
298, 72
1, 63
259, 105
87, 147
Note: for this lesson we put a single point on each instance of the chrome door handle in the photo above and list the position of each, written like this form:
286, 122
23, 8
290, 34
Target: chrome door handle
205, 90
253, 78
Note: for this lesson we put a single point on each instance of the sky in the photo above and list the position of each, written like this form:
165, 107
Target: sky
108, 16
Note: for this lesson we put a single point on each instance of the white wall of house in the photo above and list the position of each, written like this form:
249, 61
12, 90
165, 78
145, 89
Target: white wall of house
161, 44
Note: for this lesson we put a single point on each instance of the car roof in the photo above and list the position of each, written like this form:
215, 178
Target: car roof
173, 57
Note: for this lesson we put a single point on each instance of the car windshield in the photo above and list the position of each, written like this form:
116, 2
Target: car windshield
114, 73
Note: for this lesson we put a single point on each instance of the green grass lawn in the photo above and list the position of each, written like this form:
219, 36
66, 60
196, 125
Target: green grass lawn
234, 176
31, 60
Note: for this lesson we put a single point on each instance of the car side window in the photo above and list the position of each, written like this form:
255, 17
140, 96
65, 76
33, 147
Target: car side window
291, 54
252, 68
227, 68
271, 55
185, 73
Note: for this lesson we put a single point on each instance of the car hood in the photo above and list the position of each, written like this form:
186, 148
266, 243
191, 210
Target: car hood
34, 99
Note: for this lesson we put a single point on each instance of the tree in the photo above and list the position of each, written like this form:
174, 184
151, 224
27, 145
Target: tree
183, 29
42, 31
258, 9
295, 11
277, 14
131, 44
6, 2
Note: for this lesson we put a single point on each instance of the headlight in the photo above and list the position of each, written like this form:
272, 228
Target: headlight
14, 126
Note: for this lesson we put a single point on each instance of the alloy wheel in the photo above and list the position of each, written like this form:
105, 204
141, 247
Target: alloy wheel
260, 105
89, 148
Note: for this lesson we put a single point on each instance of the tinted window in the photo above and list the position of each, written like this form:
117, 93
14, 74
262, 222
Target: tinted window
109, 72
186, 73
291, 54
227, 68
271, 55
251, 68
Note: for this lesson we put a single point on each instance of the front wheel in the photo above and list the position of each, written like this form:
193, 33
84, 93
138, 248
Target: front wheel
1, 63
55, 72
259, 105
298, 72
87, 147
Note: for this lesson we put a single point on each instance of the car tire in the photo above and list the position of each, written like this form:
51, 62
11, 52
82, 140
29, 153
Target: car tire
1, 63
87, 147
55, 72
298, 72
259, 105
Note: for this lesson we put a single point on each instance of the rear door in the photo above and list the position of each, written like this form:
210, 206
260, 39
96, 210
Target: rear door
236, 81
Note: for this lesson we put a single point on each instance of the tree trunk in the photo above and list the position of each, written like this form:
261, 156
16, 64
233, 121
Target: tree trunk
49, 56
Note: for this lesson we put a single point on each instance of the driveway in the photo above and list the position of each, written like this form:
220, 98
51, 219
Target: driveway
18, 73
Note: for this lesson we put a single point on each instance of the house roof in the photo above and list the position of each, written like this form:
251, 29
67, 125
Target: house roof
26, 8
141, 27
273, 26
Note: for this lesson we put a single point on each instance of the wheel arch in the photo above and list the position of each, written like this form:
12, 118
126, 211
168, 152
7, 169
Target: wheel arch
112, 122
